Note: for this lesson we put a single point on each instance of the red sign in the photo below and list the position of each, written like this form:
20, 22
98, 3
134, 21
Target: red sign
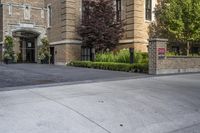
161, 51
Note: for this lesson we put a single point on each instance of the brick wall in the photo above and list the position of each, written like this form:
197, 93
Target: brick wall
136, 27
65, 19
63, 33
11, 22
159, 63
66, 53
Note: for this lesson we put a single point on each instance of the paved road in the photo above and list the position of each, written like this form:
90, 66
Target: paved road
168, 104
33, 74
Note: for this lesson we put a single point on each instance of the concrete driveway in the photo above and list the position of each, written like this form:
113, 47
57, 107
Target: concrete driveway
13, 75
169, 104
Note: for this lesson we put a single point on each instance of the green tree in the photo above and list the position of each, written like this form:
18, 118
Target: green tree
44, 51
177, 20
8, 49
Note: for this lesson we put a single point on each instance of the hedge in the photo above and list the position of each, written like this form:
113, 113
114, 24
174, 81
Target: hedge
137, 67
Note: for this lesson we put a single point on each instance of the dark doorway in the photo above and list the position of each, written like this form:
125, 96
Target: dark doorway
52, 53
30, 51
27, 41
27, 53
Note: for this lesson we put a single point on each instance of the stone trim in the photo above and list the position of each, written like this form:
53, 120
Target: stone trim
124, 42
66, 42
22, 6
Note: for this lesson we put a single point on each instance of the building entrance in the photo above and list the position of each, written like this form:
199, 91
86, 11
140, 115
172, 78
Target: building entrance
27, 50
26, 46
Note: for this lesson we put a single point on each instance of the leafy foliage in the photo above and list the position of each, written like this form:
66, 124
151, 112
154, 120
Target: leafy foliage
178, 20
122, 56
100, 29
44, 51
8, 46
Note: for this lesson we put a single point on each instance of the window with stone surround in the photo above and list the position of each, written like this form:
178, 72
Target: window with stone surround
27, 12
42, 13
49, 15
118, 9
10, 9
85, 10
148, 10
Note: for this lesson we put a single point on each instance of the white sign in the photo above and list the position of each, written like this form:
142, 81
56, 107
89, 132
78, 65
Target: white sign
26, 25
29, 45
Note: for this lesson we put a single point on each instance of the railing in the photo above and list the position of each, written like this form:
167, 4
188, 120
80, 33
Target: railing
86, 53
177, 48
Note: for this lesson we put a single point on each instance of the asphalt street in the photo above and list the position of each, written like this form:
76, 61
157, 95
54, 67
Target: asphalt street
14, 75
166, 104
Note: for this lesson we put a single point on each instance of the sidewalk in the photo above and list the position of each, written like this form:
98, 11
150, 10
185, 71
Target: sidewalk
146, 105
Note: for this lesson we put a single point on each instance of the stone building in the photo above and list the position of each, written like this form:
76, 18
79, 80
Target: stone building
30, 20
25, 20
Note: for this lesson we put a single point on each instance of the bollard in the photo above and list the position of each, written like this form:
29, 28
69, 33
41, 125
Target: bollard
131, 50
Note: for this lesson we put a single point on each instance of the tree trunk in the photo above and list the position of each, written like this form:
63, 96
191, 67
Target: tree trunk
188, 48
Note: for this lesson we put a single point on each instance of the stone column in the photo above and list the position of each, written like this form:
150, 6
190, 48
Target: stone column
157, 52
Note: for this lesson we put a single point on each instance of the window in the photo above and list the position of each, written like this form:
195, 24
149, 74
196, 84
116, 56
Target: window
49, 16
195, 50
118, 9
148, 10
176, 50
10, 9
85, 10
42, 13
27, 12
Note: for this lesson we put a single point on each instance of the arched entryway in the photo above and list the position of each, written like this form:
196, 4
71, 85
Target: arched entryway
25, 45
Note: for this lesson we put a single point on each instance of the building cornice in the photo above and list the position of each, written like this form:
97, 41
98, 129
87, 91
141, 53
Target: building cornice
66, 42
22, 5
130, 41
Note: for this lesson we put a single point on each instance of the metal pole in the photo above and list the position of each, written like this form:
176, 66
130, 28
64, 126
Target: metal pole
131, 50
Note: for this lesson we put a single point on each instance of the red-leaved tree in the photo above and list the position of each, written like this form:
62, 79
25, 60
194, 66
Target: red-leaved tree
99, 28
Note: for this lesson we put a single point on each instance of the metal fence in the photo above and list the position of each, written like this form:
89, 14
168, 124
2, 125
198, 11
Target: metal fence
180, 48
86, 54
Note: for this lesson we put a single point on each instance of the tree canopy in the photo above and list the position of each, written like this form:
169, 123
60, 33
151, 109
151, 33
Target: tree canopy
177, 19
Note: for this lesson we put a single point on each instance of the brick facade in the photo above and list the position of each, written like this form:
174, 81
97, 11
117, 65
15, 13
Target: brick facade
159, 63
62, 33
136, 27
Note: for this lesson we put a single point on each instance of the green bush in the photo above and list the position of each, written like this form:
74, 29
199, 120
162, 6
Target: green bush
137, 67
9, 52
123, 56
44, 51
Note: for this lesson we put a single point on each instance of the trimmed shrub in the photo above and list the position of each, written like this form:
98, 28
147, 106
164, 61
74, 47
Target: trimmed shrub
138, 67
